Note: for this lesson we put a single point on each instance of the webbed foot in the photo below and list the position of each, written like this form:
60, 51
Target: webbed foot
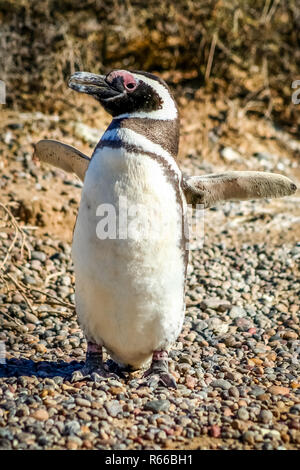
96, 375
94, 369
158, 374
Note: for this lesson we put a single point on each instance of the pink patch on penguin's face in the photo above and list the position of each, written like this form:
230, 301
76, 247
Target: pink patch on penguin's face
129, 81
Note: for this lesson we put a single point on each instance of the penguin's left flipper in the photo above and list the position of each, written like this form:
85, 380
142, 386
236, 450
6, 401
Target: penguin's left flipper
62, 156
209, 190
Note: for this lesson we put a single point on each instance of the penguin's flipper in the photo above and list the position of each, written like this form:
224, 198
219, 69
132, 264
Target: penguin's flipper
62, 156
235, 185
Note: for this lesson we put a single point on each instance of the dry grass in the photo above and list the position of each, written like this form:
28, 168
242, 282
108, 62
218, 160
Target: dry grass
8, 265
247, 49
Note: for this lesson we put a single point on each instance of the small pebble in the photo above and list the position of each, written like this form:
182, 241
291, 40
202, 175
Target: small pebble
40, 415
243, 414
157, 405
266, 416
235, 361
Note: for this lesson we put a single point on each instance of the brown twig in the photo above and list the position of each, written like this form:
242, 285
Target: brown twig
18, 230
9, 250
237, 60
19, 323
12, 319
53, 275
211, 56
58, 301
21, 292
58, 312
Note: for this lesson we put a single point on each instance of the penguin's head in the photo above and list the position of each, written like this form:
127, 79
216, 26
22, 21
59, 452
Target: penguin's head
127, 93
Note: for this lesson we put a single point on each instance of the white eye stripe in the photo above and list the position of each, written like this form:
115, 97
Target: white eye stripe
168, 110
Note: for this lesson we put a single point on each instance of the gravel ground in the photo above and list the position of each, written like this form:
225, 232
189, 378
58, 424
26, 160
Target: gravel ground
236, 361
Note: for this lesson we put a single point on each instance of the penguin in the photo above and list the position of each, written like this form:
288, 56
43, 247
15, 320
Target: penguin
130, 242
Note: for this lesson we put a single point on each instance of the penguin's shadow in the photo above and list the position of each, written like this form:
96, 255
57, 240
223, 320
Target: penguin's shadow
48, 369
41, 369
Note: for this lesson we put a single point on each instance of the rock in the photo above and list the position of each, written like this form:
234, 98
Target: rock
31, 318
8, 136
272, 432
295, 409
243, 324
266, 416
5, 444
237, 312
40, 415
185, 359
76, 440
82, 402
227, 412
190, 381
71, 427
157, 405
230, 155
215, 304
39, 255
200, 325
66, 281
243, 413
265, 156
290, 335
113, 408
264, 397
191, 336
256, 391
249, 437
233, 391
230, 341
278, 390
6, 434
252, 331
73, 442
40, 347
116, 390
88, 134
215, 430
17, 298
83, 415
29, 280
221, 383
63, 291
217, 325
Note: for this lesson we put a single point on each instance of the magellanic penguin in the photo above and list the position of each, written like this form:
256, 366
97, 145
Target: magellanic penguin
130, 273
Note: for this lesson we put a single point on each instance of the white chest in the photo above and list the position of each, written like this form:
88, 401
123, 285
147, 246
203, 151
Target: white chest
128, 256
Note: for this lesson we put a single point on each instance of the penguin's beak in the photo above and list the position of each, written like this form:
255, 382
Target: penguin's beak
93, 84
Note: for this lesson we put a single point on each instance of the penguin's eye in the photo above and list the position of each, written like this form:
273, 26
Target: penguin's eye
130, 86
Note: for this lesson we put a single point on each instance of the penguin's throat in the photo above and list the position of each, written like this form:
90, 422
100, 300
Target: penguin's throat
143, 132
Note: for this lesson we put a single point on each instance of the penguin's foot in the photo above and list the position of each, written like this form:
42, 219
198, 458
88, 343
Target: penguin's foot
158, 373
96, 375
94, 369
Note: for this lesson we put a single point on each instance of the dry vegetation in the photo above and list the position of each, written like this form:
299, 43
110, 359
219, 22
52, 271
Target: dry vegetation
247, 49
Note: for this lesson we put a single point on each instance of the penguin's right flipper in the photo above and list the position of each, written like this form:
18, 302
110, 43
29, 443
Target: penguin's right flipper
62, 156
